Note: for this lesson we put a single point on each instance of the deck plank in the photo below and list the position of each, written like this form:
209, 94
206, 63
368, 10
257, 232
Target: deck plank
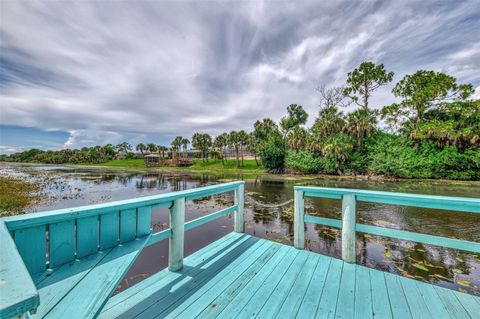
241, 276
228, 304
433, 301
328, 302
243, 271
281, 291
241, 287
255, 299
292, 303
310, 302
188, 285
363, 293
136, 295
89, 296
346, 295
470, 303
380, 300
54, 287
415, 299
453, 305
156, 292
398, 301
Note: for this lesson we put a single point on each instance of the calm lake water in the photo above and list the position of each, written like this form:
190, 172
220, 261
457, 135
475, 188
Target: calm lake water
66, 187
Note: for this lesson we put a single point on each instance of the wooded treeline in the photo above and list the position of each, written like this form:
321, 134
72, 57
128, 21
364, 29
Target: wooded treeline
432, 132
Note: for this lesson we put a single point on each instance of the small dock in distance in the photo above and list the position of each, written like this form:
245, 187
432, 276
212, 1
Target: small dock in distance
238, 276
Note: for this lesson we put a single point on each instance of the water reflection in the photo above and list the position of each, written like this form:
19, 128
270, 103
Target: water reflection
69, 187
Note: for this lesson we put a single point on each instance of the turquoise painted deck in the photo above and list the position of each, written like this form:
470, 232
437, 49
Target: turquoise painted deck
67, 263
240, 276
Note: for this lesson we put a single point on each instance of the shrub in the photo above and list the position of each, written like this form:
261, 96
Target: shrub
303, 162
272, 153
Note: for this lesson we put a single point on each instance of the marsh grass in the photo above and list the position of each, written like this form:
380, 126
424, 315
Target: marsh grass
16, 195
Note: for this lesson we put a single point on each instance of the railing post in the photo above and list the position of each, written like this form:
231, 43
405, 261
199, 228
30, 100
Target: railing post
348, 228
298, 220
239, 201
176, 242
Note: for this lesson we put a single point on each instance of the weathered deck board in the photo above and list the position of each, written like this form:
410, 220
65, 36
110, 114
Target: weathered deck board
242, 276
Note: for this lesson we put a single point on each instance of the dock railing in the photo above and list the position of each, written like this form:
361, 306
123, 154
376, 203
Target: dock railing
47, 240
349, 226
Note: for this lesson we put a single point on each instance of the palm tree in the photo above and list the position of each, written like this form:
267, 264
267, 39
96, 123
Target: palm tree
360, 123
338, 147
152, 148
141, 148
296, 138
202, 142
176, 145
243, 141
220, 142
234, 141
185, 143
330, 121
162, 149
253, 146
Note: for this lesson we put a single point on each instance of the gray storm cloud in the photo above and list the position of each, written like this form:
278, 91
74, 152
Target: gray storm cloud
107, 71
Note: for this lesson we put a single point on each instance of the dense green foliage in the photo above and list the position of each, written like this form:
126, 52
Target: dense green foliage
433, 132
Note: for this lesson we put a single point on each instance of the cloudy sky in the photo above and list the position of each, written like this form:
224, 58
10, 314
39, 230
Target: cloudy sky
83, 73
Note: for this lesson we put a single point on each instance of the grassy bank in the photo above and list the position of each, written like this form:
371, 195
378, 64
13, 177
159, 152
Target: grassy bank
16, 195
199, 165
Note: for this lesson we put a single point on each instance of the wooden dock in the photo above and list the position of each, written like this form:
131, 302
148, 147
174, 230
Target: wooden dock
67, 264
240, 276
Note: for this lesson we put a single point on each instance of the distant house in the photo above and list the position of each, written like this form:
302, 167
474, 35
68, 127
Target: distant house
120, 155
152, 159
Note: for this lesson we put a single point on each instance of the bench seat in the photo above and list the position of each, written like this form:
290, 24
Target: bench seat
81, 288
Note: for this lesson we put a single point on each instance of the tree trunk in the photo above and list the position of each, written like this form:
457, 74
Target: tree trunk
241, 150
237, 156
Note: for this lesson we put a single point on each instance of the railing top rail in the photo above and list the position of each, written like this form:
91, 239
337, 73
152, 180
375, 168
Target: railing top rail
30, 220
464, 204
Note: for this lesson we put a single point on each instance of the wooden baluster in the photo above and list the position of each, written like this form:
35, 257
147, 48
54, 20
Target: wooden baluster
348, 227
298, 220
177, 239
239, 201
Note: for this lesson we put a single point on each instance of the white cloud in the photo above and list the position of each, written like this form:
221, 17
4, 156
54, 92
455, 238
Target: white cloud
112, 71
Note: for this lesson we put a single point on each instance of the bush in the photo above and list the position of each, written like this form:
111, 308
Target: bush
303, 162
272, 153
359, 163
327, 166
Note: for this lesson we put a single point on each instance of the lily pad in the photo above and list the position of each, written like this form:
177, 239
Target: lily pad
464, 283
420, 266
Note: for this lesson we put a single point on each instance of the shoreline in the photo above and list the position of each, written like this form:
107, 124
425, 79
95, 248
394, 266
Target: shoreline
260, 172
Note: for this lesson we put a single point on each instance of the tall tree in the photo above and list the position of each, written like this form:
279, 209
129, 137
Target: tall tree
202, 142
141, 148
264, 128
364, 80
124, 147
360, 123
296, 116
243, 141
176, 145
221, 142
152, 148
185, 143
338, 147
162, 149
234, 141
421, 92
253, 146
296, 138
